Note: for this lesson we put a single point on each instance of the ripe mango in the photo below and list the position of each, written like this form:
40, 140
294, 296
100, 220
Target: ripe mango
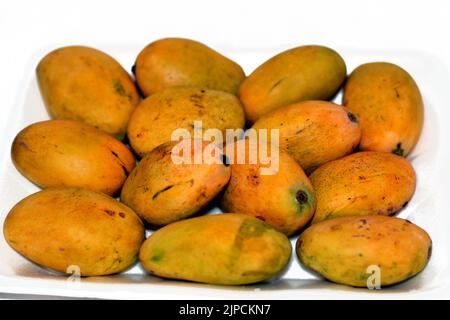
162, 191
67, 153
348, 250
159, 115
66, 229
174, 62
313, 132
364, 183
85, 84
388, 103
284, 198
299, 74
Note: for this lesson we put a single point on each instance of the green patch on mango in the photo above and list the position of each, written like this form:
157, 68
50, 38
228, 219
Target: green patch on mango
157, 257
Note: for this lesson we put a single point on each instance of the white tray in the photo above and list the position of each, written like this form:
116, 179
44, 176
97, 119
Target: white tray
428, 207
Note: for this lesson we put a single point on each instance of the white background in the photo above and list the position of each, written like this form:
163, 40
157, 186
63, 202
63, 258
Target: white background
27, 27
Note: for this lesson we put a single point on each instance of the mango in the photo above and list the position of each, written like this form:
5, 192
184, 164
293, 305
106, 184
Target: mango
159, 115
85, 84
313, 132
226, 249
299, 74
365, 251
364, 183
58, 153
389, 105
174, 62
162, 191
283, 198
71, 229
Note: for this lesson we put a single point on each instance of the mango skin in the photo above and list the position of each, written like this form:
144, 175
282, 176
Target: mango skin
162, 192
314, 132
85, 84
299, 74
173, 62
364, 183
389, 105
285, 200
342, 249
154, 120
61, 227
226, 249
58, 153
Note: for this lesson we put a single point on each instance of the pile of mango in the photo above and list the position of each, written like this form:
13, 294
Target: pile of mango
342, 168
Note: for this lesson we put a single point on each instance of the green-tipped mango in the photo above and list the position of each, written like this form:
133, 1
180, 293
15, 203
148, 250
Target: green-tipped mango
227, 249
282, 197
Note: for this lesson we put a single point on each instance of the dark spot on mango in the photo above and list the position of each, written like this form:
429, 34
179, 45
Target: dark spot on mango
161, 191
301, 196
195, 97
398, 150
122, 215
253, 176
122, 165
118, 88
335, 227
109, 212
225, 160
25, 146
276, 84
201, 195
352, 117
